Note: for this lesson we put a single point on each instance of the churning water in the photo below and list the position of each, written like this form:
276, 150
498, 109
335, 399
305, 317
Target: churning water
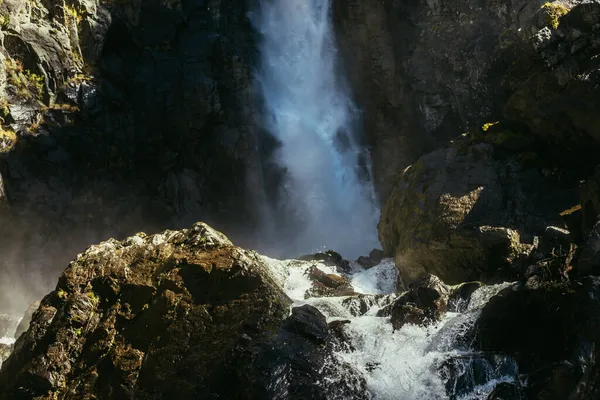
327, 199
413, 363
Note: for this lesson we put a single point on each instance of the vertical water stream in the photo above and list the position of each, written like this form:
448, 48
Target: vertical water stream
326, 200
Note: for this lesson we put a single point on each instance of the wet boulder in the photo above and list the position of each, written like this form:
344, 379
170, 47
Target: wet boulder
460, 296
329, 258
506, 391
178, 314
361, 304
552, 331
464, 372
294, 361
374, 258
327, 285
425, 302
468, 210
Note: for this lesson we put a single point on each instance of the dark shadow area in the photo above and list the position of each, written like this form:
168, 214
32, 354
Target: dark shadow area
166, 134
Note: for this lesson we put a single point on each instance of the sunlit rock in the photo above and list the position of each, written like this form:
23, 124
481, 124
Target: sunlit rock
464, 213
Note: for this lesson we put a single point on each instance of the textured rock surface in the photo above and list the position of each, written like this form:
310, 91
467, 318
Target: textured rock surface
424, 303
328, 285
118, 117
424, 71
552, 332
181, 313
463, 211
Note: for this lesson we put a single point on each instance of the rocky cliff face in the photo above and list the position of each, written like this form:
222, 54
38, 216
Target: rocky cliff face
423, 72
118, 116
520, 175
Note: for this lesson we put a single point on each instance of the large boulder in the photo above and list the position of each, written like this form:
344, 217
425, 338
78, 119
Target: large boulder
181, 314
424, 303
464, 211
552, 331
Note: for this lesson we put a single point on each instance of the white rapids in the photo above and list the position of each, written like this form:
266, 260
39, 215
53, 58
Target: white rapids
7, 340
401, 365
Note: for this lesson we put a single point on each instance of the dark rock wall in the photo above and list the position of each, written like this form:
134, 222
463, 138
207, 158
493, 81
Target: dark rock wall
145, 119
424, 72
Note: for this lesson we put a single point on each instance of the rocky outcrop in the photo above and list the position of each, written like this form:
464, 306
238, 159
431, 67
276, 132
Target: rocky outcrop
469, 209
119, 117
424, 303
330, 258
181, 313
328, 285
374, 258
424, 71
551, 331
553, 81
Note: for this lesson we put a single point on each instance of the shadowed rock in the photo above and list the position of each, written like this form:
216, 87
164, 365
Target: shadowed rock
181, 314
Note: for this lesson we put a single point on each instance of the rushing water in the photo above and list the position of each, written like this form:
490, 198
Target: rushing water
414, 363
327, 200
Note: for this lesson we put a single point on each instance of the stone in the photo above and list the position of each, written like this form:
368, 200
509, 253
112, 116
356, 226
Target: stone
327, 285
374, 258
26, 319
180, 313
461, 296
588, 262
191, 286
505, 391
552, 333
555, 381
424, 303
330, 258
308, 321
361, 304
463, 212
555, 240
463, 373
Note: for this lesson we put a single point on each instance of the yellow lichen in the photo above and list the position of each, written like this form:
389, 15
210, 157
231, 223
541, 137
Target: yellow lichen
488, 125
571, 210
8, 138
61, 107
94, 297
24, 83
71, 12
554, 11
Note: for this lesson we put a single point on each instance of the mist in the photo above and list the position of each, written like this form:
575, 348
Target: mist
326, 201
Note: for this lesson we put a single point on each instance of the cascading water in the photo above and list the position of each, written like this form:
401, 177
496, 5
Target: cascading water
413, 363
327, 199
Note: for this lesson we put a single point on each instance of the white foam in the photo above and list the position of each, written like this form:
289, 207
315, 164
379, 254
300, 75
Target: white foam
380, 279
396, 365
7, 340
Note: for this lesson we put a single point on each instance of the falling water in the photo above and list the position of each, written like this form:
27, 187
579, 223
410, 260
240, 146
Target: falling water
415, 362
327, 200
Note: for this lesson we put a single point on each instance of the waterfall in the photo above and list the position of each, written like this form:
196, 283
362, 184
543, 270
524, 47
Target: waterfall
326, 200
